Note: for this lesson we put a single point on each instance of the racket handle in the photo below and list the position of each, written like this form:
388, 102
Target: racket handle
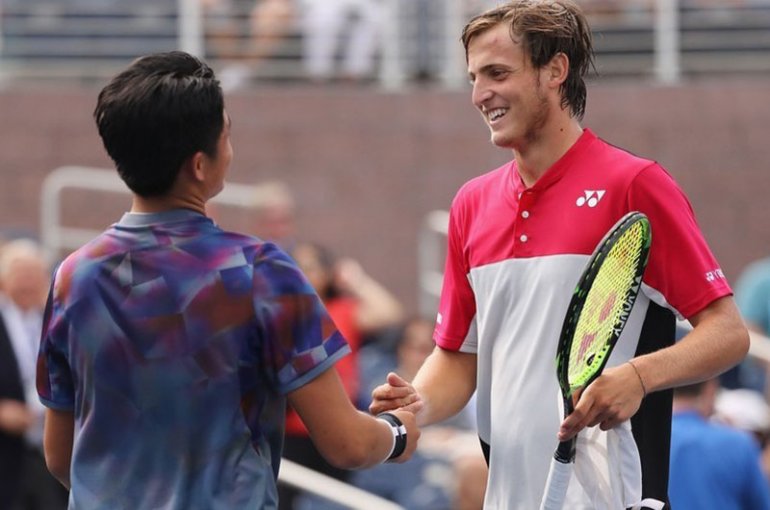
556, 485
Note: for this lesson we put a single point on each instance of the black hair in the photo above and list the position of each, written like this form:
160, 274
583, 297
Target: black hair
155, 115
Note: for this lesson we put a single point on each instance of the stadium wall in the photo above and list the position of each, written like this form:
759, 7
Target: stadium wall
367, 166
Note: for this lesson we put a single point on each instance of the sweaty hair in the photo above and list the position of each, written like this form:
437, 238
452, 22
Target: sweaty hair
545, 28
156, 114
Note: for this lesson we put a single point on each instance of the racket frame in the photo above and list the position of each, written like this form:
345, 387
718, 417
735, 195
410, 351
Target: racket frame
565, 452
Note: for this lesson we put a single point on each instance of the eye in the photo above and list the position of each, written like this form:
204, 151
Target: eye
498, 74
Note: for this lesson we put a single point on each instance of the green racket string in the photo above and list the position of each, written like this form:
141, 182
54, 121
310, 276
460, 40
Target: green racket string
607, 305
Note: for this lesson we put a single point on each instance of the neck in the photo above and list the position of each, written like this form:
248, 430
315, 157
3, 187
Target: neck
534, 157
167, 203
175, 199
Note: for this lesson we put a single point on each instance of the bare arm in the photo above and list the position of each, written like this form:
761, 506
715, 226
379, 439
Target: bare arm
441, 388
57, 443
717, 341
346, 437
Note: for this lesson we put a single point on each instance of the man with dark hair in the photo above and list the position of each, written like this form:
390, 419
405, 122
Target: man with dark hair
518, 240
170, 346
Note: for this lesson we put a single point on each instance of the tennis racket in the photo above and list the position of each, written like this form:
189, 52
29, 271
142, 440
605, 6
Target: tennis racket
597, 313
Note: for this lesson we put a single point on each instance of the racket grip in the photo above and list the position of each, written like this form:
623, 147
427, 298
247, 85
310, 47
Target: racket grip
556, 485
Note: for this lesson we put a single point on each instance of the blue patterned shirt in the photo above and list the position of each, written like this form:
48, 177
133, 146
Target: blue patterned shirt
174, 343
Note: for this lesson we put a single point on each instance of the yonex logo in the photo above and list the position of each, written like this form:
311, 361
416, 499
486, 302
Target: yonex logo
714, 275
590, 197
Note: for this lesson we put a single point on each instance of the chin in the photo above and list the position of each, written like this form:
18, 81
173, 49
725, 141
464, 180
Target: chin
501, 141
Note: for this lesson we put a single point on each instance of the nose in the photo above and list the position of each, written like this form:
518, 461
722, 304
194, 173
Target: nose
481, 93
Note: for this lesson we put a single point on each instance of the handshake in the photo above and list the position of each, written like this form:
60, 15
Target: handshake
397, 402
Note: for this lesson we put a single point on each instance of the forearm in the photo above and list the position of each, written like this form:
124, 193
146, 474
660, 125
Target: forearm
364, 442
718, 341
445, 383
345, 437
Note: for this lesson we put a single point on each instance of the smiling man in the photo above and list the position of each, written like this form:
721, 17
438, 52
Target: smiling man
519, 237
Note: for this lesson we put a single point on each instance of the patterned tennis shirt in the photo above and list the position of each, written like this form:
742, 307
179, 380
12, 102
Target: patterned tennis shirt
174, 343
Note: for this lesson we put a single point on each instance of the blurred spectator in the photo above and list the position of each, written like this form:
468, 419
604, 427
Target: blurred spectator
274, 214
25, 483
271, 22
713, 466
328, 23
243, 33
747, 410
222, 26
470, 474
359, 306
752, 295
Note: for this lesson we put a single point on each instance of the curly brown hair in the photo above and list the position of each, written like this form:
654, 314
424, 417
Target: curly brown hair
545, 28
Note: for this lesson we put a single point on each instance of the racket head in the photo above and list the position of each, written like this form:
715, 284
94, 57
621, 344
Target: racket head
602, 302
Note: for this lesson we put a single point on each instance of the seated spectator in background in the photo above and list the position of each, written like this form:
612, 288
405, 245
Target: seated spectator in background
470, 475
752, 295
274, 213
749, 411
713, 466
359, 306
271, 22
245, 33
325, 23
413, 344
25, 482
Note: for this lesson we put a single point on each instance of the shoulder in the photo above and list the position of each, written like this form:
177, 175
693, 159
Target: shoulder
82, 262
613, 160
483, 186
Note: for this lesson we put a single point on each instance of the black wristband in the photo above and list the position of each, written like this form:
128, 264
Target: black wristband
399, 433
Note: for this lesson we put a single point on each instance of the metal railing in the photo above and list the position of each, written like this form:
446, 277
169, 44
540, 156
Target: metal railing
57, 237
664, 40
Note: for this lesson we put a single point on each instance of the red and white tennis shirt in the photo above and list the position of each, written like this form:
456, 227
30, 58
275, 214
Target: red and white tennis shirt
514, 257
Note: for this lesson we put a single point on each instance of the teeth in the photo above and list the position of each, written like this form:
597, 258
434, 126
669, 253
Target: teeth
496, 113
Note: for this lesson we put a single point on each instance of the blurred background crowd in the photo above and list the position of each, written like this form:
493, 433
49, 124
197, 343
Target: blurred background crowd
352, 129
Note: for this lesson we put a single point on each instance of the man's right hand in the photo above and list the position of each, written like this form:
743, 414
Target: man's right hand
395, 394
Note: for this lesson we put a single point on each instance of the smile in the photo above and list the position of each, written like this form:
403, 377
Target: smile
495, 114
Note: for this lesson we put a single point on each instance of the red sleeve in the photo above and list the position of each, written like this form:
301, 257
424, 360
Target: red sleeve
457, 306
682, 271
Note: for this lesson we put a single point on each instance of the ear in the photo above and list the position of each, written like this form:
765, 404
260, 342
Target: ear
197, 166
556, 70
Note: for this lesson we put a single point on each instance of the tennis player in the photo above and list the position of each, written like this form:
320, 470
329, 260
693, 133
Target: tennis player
170, 346
519, 237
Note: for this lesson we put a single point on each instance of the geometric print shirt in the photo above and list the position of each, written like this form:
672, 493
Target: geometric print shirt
174, 343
